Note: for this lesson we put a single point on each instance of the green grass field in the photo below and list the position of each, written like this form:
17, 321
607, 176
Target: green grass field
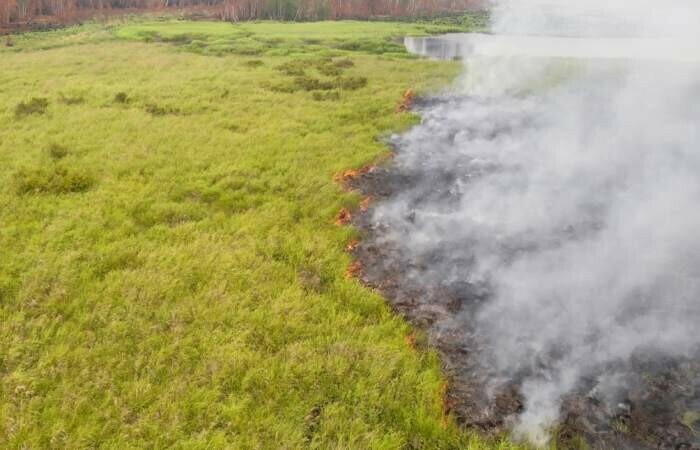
170, 273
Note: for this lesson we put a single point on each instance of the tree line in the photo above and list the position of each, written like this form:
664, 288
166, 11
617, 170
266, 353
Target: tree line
26, 11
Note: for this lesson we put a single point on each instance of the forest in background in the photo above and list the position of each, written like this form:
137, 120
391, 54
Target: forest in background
35, 13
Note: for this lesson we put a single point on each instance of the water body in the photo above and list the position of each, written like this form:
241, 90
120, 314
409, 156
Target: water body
466, 45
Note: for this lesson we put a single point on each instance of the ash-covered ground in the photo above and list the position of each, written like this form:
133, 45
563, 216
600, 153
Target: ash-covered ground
549, 249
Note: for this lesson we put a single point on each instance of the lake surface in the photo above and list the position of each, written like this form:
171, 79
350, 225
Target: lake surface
464, 45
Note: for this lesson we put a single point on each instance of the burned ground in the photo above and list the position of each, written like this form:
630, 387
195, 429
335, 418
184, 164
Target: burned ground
654, 404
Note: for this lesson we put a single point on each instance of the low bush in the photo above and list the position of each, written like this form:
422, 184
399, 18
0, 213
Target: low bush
307, 83
157, 110
59, 180
375, 47
57, 152
121, 97
34, 106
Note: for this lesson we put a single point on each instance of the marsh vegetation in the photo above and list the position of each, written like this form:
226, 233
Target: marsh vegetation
171, 274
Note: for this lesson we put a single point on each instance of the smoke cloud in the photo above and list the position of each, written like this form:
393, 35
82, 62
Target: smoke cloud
570, 190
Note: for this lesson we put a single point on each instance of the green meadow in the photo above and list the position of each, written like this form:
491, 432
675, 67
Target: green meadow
170, 272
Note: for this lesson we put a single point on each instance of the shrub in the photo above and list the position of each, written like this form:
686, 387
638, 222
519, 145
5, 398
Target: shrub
332, 68
59, 180
34, 106
121, 97
307, 83
57, 151
157, 110
375, 47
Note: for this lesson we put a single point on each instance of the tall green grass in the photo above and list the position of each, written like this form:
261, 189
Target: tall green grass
170, 274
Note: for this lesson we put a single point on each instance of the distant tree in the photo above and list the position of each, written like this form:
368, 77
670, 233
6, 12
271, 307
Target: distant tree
234, 10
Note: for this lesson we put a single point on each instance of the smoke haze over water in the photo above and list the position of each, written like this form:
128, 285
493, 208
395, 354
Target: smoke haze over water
575, 201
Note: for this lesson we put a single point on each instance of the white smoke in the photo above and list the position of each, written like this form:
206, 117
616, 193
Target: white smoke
578, 204
596, 18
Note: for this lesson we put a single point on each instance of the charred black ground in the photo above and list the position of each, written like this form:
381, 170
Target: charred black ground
656, 404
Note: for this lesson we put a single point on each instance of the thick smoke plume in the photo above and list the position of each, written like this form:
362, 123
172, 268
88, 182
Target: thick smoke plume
570, 190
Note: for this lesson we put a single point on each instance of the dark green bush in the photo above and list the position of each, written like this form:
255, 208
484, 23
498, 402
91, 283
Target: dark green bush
59, 180
121, 97
34, 106
157, 110
307, 83
57, 152
375, 47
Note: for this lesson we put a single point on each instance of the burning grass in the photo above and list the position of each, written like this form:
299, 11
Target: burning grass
407, 101
343, 217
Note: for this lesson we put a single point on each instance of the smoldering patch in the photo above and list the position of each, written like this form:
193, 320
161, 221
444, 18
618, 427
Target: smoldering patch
512, 234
